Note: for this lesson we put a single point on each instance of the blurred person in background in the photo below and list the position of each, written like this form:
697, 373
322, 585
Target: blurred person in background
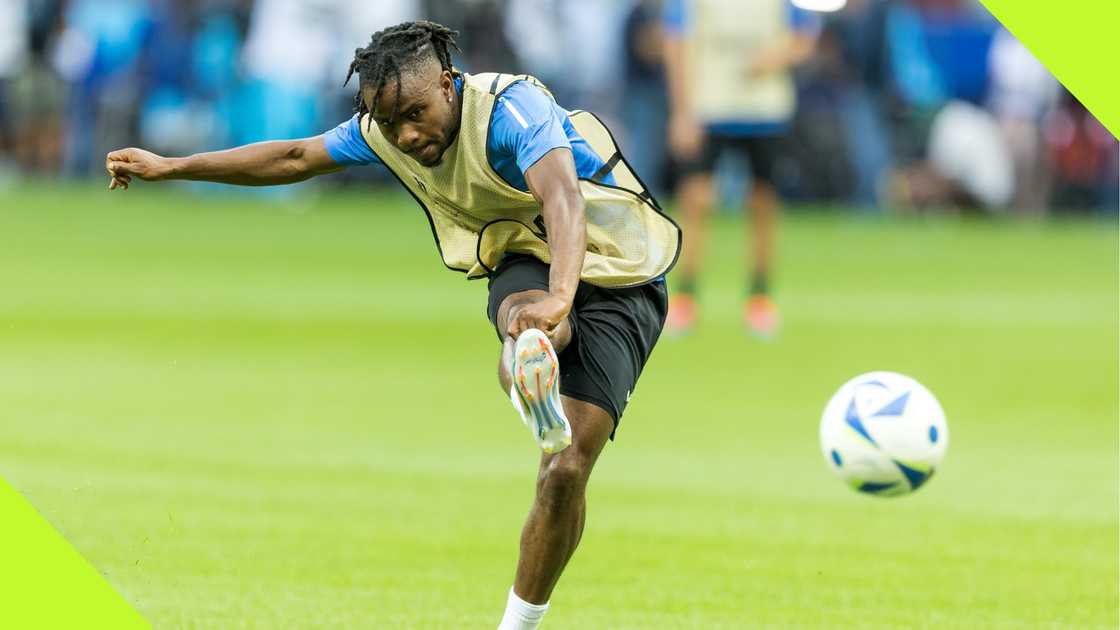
289, 90
857, 37
287, 57
1085, 158
353, 21
522, 192
37, 95
728, 67
574, 47
936, 52
968, 165
1021, 95
14, 53
645, 110
979, 120
170, 116
950, 152
99, 54
482, 36
192, 87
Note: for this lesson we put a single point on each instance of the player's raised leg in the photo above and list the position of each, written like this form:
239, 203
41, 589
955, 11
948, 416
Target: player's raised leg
529, 371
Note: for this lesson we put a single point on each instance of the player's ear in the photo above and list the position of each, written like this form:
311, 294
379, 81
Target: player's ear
368, 97
447, 85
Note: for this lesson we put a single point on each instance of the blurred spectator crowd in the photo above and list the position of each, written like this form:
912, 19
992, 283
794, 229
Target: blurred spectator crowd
905, 104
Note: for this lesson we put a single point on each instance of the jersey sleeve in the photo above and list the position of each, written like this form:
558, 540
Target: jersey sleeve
346, 145
526, 125
674, 17
804, 21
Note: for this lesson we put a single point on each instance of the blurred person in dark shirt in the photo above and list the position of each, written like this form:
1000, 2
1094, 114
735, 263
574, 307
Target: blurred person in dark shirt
645, 108
36, 95
1085, 157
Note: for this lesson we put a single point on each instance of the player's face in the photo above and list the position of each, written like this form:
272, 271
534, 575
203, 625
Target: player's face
426, 114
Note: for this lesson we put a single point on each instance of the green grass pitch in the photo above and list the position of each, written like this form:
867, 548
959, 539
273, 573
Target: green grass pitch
258, 416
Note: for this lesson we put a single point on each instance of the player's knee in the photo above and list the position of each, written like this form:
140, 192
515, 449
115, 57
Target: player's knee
563, 480
512, 305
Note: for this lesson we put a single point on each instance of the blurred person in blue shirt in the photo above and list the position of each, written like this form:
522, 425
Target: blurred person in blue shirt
193, 97
937, 52
730, 88
99, 53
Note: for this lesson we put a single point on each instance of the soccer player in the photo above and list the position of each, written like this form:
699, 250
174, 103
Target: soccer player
533, 197
728, 67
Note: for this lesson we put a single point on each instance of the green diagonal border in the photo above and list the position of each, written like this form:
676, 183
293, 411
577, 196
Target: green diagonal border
45, 583
1077, 42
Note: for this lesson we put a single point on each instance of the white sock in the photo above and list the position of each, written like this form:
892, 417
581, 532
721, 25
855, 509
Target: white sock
521, 615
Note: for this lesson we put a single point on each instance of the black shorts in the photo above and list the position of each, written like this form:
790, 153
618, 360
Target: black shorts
761, 150
613, 332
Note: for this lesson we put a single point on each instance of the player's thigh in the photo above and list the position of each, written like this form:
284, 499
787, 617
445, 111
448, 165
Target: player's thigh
518, 280
763, 152
695, 178
514, 300
618, 329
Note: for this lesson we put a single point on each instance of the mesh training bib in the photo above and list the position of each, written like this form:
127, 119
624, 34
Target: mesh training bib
725, 37
476, 217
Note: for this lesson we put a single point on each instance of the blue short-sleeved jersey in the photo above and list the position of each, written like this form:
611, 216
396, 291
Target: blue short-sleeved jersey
526, 124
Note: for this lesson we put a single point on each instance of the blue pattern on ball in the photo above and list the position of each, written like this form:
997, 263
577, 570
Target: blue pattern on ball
871, 487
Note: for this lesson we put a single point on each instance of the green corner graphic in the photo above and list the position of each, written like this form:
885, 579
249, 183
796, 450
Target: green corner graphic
45, 583
1076, 41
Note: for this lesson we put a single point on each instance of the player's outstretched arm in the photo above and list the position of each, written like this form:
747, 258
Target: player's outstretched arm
260, 164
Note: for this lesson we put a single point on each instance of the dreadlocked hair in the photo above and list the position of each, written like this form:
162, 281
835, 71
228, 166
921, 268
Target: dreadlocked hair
395, 49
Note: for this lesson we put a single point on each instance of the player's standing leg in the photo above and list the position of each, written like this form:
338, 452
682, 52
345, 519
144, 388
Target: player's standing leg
760, 312
695, 195
555, 523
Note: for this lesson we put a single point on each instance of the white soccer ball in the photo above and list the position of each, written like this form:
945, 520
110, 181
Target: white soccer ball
884, 434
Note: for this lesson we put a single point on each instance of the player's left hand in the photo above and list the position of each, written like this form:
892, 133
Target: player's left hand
768, 61
544, 315
124, 164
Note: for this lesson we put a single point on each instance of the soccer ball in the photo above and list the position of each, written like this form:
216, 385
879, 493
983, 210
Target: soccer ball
884, 434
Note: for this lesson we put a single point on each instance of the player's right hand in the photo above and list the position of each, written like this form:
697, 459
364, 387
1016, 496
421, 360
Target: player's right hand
124, 164
686, 136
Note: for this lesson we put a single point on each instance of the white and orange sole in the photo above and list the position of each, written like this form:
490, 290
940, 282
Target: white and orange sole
536, 391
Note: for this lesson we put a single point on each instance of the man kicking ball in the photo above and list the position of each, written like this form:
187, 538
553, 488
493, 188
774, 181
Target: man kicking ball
533, 197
